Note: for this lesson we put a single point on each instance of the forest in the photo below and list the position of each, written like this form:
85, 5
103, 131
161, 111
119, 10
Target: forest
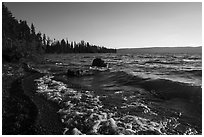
19, 40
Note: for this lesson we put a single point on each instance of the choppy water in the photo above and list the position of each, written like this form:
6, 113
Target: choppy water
138, 94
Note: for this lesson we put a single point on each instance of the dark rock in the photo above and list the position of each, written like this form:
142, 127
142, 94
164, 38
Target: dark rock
74, 73
28, 68
79, 72
97, 62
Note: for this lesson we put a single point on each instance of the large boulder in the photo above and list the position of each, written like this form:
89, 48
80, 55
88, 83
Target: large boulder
97, 62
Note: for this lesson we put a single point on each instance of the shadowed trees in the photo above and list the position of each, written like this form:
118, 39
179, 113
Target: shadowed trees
20, 40
74, 47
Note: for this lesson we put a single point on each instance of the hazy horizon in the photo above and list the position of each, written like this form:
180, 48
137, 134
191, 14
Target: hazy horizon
164, 47
116, 25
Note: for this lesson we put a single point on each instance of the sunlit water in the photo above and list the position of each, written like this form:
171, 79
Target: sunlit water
138, 94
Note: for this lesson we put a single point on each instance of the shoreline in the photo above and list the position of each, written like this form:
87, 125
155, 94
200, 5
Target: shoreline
23, 111
47, 120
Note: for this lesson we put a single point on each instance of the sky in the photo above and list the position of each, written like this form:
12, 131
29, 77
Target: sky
116, 25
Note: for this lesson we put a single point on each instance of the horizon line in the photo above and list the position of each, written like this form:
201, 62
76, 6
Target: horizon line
160, 47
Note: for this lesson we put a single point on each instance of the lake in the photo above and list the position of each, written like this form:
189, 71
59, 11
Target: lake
137, 94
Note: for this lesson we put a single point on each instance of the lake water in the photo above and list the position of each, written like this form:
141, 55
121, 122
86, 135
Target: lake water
137, 94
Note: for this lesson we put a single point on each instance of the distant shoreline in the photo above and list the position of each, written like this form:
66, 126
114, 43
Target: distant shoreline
191, 50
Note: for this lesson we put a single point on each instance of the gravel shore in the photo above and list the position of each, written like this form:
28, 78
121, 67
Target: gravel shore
47, 119
23, 111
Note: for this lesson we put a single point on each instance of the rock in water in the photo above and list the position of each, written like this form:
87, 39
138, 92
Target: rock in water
97, 62
74, 73
28, 68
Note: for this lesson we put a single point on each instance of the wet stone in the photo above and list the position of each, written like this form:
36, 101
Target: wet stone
98, 62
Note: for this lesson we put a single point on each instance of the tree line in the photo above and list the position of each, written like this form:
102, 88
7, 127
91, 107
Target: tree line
19, 40
64, 46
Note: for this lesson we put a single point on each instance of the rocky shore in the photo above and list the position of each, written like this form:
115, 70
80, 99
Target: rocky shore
18, 111
47, 120
24, 112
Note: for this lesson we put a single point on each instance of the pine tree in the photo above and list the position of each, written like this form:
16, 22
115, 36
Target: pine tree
32, 29
44, 40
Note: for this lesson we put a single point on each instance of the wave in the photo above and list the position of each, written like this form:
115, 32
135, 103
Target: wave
162, 88
193, 72
162, 62
168, 89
